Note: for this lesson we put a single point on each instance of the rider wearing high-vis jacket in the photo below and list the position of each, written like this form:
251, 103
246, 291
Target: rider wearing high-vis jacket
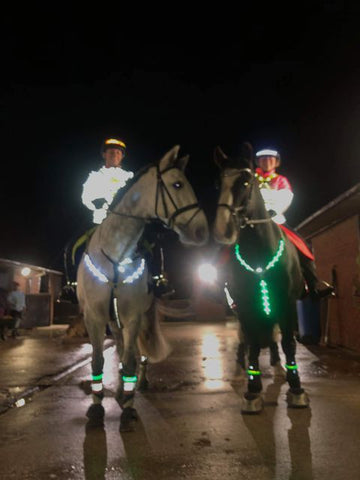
275, 189
102, 185
277, 194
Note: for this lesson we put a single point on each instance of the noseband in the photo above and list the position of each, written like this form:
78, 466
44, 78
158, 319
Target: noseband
239, 213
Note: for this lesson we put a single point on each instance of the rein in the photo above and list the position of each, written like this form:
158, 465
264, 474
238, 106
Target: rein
161, 192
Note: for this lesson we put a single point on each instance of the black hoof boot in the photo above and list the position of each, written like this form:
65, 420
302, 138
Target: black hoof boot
128, 419
95, 415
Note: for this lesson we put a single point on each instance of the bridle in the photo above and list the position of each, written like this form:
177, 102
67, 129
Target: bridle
160, 197
238, 213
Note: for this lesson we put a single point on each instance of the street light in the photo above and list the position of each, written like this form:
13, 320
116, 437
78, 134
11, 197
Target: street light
25, 272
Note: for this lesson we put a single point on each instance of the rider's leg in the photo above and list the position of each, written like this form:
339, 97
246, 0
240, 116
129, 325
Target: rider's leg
317, 288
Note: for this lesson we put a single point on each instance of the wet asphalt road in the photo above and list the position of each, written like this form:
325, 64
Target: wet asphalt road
190, 424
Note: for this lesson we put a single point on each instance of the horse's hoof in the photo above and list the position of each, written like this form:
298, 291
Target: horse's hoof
252, 403
297, 398
128, 419
95, 415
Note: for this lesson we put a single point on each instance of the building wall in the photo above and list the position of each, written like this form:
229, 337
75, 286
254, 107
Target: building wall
336, 250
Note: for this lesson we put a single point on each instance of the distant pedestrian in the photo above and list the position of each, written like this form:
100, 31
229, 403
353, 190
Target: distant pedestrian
3, 312
17, 305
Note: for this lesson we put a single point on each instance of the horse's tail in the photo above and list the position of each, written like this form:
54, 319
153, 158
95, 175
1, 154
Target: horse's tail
151, 341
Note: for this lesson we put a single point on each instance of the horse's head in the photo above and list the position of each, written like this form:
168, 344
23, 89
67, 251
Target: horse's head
234, 204
176, 202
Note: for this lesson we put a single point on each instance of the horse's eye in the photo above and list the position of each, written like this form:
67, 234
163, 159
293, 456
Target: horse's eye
177, 185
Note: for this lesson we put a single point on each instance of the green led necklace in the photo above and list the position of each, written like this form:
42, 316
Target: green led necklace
261, 271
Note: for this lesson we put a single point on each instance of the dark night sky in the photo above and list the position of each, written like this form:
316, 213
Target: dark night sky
293, 85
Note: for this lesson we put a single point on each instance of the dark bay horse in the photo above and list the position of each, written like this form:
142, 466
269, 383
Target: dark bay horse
264, 273
113, 280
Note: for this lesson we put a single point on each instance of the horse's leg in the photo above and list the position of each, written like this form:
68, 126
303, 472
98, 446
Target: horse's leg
241, 352
252, 401
128, 379
241, 355
96, 331
296, 396
275, 360
143, 382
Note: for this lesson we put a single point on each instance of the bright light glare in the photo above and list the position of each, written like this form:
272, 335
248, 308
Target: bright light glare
207, 273
212, 364
25, 272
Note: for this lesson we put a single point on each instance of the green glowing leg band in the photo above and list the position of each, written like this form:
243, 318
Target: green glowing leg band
129, 383
291, 367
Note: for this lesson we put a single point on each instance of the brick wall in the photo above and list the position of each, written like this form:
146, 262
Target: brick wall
337, 249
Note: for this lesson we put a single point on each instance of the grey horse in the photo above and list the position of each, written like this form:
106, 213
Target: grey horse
113, 280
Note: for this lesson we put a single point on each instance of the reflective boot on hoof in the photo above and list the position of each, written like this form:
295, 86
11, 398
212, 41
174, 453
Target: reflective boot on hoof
252, 403
297, 398
128, 419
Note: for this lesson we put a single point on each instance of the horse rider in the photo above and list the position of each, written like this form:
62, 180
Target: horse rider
102, 185
100, 189
277, 194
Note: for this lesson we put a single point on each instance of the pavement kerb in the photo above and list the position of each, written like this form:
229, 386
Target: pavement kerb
51, 379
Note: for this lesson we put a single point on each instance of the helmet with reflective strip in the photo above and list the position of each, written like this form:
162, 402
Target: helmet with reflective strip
268, 152
113, 143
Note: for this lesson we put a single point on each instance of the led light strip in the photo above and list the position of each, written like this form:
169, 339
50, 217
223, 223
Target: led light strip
261, 271
129, 279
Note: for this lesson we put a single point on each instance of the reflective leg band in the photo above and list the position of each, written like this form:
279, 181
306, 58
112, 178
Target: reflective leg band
96, 387
129, 383
253, 372
291, 367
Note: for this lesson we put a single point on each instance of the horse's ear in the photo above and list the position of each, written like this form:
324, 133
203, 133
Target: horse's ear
182, 162
169, 159
220, 157
247, 154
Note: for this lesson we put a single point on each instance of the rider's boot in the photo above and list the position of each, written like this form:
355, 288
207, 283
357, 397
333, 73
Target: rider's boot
316, 288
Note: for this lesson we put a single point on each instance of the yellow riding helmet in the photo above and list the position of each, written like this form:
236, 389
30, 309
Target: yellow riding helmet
114, 143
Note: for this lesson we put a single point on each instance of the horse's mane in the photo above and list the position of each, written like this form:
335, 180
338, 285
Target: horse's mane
122, 191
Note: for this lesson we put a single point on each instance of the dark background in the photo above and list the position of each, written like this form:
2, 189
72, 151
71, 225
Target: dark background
292, 84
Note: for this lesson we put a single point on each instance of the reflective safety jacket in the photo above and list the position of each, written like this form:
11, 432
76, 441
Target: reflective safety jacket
276, 192
100, 189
